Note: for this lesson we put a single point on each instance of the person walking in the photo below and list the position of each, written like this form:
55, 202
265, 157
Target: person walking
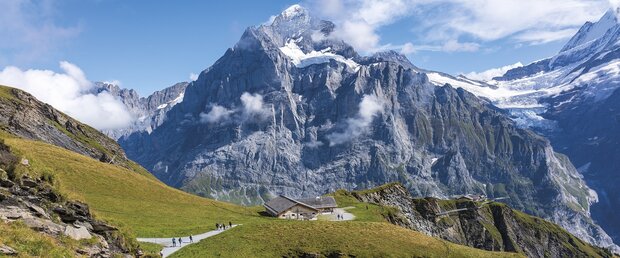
230, 224
217, 226
174, 242
180, 241
191, 239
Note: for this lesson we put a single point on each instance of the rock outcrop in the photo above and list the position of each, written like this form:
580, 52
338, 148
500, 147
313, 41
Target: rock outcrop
492, 226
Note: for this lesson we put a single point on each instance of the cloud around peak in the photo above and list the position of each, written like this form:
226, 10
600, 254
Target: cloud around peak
70, 92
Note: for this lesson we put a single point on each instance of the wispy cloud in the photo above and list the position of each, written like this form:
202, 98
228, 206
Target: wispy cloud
369, 107
193, 76
459, 25
252, 108
492, 73
70, 92
30, 32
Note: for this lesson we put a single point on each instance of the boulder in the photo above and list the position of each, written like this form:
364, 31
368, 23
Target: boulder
29, 183
77, 233
66, 215
43, 225
8, 251
101, 227
38, 211
6, 183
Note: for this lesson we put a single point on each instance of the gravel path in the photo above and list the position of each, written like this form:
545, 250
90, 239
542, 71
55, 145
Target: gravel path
342, 211
167, 242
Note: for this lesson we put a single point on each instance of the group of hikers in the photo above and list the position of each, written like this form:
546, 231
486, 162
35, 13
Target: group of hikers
180, 240
218, 226
340, 216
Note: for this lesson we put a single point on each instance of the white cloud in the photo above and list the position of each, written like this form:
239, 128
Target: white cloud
29, 31
491, 73
193, 76
69, 92
369, 107
113, 82
441, 25
217, 114
408, 48
456, 46
253, 105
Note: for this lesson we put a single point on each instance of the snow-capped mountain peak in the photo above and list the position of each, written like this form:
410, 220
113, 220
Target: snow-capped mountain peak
293, 11
593, 31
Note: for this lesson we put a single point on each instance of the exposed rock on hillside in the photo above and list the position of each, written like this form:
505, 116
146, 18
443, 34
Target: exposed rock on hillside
23, 115
493, 226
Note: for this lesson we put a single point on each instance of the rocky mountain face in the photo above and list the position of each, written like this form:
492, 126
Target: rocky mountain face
493, 226
149, 112
23, 115
291, 110
572, 99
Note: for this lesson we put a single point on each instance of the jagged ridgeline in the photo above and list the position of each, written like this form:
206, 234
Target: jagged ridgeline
290, 110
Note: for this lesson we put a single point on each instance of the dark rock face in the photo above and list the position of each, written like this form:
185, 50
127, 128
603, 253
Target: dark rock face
148, 112
493, 227
263, 121
23, 115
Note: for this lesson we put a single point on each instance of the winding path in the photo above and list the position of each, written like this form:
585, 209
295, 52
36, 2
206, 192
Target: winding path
167, 242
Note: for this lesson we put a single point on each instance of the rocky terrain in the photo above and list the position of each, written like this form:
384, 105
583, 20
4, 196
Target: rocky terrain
37, 204
571, 99
23, 115
149, 112
493, 226
290, 110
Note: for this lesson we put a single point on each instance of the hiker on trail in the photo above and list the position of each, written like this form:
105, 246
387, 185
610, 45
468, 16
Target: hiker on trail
174, 242
191, 239
180, 241
230, 224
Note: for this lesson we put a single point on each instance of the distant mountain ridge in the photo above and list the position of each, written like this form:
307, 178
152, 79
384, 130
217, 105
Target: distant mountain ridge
290, 110
572, 99
148, 112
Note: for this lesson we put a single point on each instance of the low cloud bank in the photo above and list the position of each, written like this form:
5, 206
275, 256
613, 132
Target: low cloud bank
70, 92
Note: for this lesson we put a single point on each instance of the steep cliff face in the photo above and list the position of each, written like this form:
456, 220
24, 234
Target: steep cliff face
291, 111
148, 112
492, 226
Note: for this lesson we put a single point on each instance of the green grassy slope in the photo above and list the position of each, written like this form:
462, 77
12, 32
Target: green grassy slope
144, 205
355, 239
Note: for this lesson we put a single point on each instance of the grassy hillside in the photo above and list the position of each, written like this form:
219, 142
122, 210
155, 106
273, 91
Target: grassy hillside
139, 203
355, 239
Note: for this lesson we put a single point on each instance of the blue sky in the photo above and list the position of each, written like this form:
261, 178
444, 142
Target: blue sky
149, 45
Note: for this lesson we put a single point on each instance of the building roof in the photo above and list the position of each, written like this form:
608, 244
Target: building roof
282, 203
320, 202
